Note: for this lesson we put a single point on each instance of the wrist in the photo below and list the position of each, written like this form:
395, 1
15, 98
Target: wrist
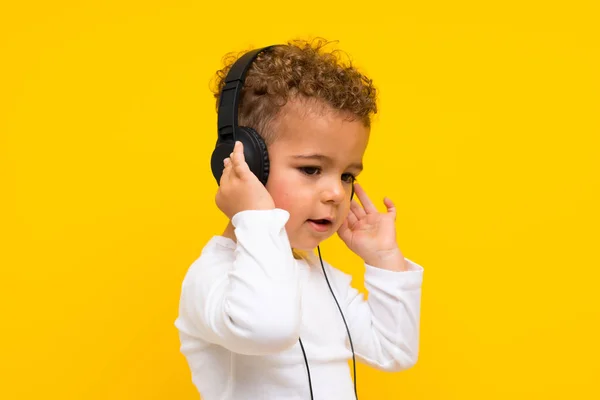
265, 205
392, 260
258, 206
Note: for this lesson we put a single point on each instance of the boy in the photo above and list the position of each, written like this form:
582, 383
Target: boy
256, 318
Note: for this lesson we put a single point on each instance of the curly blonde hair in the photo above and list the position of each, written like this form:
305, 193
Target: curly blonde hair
301, 69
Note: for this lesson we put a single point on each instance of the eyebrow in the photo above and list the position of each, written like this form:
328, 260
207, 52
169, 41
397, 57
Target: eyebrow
325, 159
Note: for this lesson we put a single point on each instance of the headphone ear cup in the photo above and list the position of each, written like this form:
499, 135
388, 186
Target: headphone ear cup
255, 153
220, 153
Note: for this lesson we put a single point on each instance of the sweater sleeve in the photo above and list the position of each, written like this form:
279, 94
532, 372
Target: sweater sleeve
385, 328
248, 303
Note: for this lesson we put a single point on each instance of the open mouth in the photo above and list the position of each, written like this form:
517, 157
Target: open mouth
321, 221
320, 225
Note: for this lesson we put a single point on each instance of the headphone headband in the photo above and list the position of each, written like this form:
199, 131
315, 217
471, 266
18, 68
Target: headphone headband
227, 123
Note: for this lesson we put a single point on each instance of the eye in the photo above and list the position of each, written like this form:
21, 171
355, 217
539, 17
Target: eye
310, 170
348, 178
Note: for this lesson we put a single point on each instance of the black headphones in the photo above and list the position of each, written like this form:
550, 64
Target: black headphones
228, 130
256, 155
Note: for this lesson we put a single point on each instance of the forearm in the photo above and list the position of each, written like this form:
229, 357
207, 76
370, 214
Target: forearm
387, 324
250, 304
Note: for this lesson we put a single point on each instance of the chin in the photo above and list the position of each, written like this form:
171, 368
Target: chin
308, 244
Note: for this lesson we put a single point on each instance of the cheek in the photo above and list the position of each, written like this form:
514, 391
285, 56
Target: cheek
281, 191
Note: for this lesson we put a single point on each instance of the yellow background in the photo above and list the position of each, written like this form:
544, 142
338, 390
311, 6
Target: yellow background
487, 140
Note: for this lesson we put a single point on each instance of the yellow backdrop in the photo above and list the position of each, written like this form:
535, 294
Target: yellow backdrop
487, 140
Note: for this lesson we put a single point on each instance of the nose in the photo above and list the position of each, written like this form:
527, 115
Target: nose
334, 192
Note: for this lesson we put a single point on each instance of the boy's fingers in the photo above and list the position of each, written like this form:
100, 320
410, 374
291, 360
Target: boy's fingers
364, 199
226, 171
241, 170
358, 211
235, 154
238, 152
391, 208
351, 219
234, 161
240, 167
343, 228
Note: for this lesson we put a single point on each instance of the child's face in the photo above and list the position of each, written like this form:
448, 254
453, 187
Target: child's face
313, 161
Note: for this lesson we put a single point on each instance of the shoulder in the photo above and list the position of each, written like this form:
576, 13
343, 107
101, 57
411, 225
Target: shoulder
216, 259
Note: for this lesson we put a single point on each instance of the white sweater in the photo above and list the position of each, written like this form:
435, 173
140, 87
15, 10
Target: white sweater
244, 305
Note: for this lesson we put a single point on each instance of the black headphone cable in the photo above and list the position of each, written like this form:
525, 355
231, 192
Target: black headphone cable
347, 330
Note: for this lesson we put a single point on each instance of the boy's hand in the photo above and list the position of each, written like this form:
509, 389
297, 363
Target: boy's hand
372, 235
239, 188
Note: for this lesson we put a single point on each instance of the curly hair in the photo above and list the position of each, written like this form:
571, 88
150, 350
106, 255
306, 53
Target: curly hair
299, 70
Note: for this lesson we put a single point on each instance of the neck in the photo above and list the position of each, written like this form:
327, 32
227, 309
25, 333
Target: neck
229, 232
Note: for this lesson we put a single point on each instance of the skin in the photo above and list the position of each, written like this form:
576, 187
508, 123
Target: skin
316, 156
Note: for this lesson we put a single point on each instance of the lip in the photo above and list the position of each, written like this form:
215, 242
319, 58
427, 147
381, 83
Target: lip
321, 228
